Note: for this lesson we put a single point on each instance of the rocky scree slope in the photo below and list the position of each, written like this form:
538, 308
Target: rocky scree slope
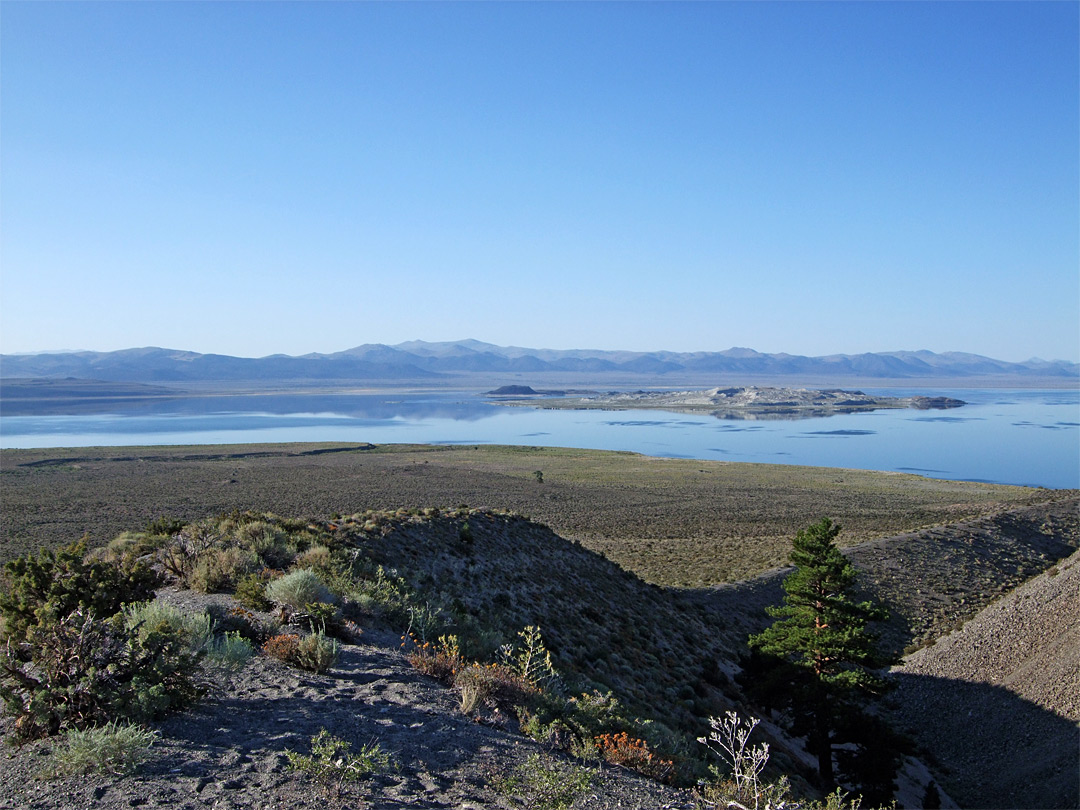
998, 701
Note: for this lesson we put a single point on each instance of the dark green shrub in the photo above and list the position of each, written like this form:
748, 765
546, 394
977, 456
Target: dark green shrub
465, 534
251, 591
157, 674
59, 583
321, 617
77, 671
165, 526
65, 683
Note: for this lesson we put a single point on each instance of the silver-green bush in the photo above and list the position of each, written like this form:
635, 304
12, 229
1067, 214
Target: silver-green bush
114, 748
298, 589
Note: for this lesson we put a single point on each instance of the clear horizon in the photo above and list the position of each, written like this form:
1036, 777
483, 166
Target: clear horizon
811, 178
527, 348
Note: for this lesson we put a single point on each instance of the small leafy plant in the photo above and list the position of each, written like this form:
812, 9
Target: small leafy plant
316, 653
530, 659
332, 760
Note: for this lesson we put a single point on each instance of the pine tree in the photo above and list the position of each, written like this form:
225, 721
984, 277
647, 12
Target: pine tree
822, 650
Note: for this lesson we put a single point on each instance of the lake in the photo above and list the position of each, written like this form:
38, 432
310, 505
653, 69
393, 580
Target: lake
1002, 436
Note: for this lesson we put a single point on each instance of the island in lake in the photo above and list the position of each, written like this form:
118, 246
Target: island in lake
729, 403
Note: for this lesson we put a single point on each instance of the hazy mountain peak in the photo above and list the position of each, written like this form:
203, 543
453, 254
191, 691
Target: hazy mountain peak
420, 359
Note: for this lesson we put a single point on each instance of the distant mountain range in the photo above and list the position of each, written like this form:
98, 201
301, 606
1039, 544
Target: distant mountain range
420, 360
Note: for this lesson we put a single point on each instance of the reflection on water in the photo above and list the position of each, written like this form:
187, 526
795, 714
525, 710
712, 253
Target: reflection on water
355, 406
841, 433
993, 439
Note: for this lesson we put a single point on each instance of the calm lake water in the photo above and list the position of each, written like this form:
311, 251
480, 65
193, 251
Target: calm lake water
1002, 436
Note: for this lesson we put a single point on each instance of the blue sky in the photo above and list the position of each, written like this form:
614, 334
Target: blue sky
814, 178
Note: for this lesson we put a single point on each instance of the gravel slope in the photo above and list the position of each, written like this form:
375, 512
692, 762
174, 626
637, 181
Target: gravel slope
998, 702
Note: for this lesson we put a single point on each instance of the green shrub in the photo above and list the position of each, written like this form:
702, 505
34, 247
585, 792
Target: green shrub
164, 661
165, 526
319, 617
114, 748
63, 681
543, 783
144, 618
298, 589
229, 654
551, 733
126, 547
181, 556
219, 569
251, 590
332, 760
78, 671
316, 558
316, 653
56, 584
425, 619
273, 545
382, 593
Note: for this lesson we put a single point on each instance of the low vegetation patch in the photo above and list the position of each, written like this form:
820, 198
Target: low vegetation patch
333, 762
543, 782
115, 749
85, 646
624, 673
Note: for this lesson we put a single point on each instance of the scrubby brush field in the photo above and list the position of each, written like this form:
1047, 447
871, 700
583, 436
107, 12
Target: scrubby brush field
608, 532
676, 522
